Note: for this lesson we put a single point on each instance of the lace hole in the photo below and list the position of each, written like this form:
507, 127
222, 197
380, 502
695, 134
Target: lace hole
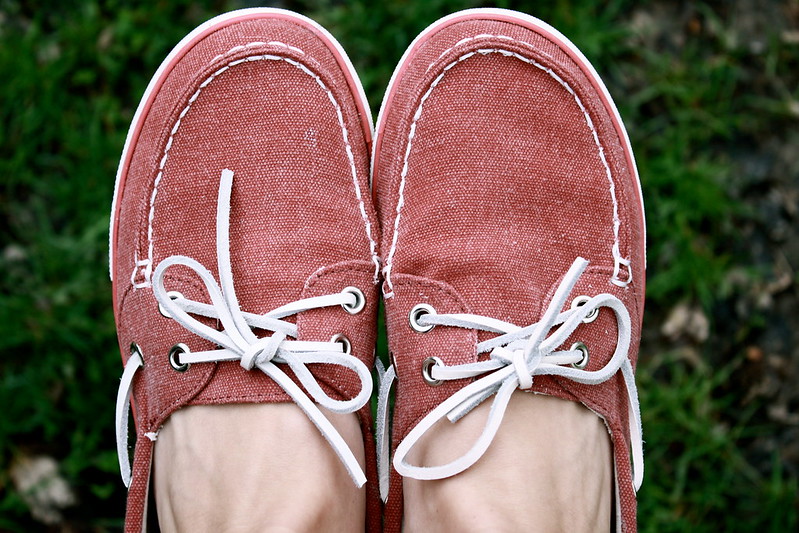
343, 340
174, 295
174, 357
582, 363
136, 350
418, 311
581, 301
427, 368
360, 300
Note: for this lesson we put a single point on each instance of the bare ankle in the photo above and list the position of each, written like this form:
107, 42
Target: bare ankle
258, 468
548, 469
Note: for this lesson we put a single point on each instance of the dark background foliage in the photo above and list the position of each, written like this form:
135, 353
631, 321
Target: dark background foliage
710, 94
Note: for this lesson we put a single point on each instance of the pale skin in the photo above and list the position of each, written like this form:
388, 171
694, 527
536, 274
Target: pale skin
266, 468
257, 467
549, 469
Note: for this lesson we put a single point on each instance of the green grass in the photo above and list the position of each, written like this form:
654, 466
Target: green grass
690, 91
700, 480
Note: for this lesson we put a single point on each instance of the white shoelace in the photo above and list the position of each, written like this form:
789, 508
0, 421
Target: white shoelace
516, 356
238, 343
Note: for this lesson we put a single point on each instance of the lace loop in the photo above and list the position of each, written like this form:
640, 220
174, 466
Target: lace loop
238, 342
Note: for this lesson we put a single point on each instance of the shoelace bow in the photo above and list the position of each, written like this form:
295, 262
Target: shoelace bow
237, 342
516, 356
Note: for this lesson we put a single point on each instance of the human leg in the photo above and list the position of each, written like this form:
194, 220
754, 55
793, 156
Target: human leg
548, 469
254, 468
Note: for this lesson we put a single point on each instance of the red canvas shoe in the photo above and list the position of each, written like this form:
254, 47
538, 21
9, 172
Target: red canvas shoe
243, 241
512, 240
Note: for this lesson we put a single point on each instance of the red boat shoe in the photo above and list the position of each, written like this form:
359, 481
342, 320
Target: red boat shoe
512, 240
243, 241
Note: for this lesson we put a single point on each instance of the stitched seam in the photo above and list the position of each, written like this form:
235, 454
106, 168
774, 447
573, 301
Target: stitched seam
192, 282
146, 265
417, 115
411, 280
346, 267
474, 38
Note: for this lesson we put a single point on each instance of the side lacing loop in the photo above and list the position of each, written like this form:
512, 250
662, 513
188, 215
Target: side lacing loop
134, 363
621, 264
517, 355
237, 342
385, 378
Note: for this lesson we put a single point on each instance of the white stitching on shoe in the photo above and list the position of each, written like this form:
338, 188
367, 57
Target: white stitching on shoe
618, 259
147, 264
468, 39
255, 44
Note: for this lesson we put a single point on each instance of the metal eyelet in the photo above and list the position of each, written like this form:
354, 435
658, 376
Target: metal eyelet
427, 367
174, 354
343, 340
174, 295
360, 300
581, 301
418, 311
582, 363
135, 349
